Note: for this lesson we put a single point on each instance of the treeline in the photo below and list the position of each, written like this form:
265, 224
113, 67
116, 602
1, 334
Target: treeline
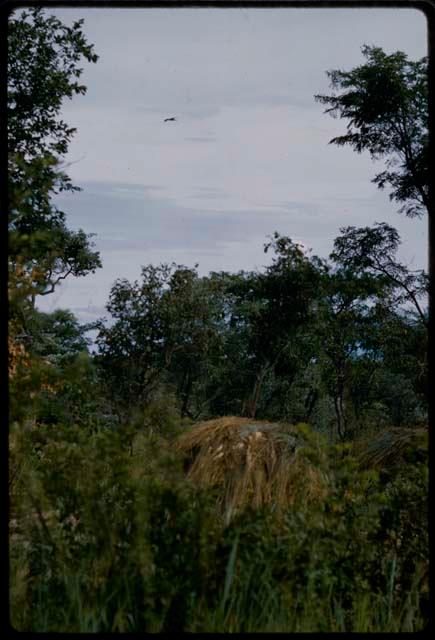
340, 344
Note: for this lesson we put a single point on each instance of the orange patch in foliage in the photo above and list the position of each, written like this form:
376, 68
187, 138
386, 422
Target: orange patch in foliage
17, 356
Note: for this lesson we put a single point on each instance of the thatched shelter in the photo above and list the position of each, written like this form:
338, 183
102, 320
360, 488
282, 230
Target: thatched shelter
252, 462
388, 448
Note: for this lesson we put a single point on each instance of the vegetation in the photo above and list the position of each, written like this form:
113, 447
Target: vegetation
243, 451
43, 70
386, 104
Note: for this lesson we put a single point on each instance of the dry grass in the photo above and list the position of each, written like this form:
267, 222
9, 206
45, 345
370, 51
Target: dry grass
387, 448
252, 462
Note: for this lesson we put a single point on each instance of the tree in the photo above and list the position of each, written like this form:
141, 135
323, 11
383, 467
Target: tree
55, 380
265, 312
132, 349
58, 336
195, 326
165, 329
372, 251
385, 101
364, 319
43, 69
342, 325
288, 288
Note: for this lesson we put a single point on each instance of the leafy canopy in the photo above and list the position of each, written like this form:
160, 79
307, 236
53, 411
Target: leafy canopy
372, 250
385, 102
43, 70
44, 58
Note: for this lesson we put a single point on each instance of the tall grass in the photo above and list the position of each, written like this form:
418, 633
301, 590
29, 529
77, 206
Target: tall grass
103, 540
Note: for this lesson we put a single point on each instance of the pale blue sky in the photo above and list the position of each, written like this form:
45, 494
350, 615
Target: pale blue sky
249, 151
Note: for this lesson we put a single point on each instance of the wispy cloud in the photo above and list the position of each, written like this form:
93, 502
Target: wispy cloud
200, 139
249, 151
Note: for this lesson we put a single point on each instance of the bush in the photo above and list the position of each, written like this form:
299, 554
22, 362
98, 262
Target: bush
102, 540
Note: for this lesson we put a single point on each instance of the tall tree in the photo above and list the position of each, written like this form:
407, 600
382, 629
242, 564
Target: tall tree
385, 102
44, 59
165, 329
343, 323
267, 309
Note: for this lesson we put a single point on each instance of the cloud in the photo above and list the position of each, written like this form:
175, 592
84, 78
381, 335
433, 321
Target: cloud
134, 231
200, 139
249, 152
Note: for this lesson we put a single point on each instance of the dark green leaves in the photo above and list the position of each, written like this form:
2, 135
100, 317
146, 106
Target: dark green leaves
43, 67
44, 58
385, 102
372, 250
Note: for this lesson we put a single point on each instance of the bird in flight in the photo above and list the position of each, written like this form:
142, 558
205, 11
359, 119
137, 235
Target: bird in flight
170, 119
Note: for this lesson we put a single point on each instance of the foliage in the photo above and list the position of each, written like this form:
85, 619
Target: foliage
57, 335
43, 70
385, 101
122, 517
53, 379
165, 328
304, 339
105, 541
201, 334
372, 251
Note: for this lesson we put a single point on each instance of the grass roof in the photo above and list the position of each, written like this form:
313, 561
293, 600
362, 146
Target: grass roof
252, 462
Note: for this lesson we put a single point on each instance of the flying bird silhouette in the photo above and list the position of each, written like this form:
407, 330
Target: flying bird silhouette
170, 119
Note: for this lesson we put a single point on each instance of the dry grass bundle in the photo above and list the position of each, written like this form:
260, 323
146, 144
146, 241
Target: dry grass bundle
252, 462
387, 448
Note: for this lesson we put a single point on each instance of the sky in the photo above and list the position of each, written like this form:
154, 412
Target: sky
248, 153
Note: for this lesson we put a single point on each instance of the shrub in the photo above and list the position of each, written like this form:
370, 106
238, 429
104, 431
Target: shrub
102, 540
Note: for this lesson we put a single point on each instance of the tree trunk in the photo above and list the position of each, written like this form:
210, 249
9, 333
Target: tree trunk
338, 417
185, 394
251, 405
340, 413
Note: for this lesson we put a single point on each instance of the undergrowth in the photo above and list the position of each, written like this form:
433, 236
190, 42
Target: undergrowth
104, 537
